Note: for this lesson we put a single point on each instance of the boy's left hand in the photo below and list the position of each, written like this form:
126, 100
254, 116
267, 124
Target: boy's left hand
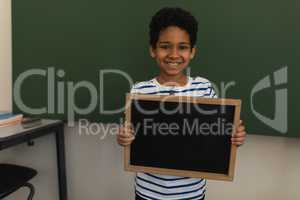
240, 135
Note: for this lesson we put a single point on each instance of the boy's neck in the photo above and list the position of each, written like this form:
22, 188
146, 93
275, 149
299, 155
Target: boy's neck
180, 80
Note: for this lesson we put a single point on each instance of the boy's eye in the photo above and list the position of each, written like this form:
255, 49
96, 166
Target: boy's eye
165, 46
184, 47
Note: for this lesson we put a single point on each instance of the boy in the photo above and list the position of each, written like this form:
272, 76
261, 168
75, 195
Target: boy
173, 34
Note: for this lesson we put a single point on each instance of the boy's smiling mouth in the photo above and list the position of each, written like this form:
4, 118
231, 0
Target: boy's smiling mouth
173, 64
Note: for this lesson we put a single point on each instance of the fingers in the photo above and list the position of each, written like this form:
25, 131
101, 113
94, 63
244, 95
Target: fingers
240, 128
238, 140
126, 132
125, 141
125, 136
240, 135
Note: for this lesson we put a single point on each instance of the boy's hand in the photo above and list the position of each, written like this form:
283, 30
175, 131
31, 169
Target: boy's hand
240, 135
125, 136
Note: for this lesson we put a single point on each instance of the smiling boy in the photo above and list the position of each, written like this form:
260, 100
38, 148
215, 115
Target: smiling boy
173, 35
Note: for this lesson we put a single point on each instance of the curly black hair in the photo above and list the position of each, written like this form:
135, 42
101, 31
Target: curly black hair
166, 17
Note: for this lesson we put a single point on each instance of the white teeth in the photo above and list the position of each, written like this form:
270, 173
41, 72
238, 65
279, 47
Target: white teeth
173, 63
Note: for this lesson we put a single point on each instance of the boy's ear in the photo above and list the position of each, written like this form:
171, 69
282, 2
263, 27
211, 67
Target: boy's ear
193, 52
152, 53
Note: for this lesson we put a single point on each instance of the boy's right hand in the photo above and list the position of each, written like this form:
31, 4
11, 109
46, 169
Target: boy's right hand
125, 136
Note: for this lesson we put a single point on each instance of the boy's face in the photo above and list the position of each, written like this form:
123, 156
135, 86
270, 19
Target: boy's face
173, 51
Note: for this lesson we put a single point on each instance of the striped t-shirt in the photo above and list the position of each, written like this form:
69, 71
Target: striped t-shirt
164, 187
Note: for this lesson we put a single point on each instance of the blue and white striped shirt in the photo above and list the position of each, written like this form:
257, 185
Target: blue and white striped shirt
164, 187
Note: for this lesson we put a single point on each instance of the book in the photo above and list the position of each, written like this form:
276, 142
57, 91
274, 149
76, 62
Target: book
5, 115
9, 119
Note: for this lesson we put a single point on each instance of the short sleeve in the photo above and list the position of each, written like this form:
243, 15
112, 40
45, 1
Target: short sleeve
133, 90
211, 93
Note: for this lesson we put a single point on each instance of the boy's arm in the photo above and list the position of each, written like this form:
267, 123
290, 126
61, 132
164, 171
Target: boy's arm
125, 135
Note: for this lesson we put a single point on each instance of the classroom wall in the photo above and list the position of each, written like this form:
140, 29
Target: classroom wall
5, 55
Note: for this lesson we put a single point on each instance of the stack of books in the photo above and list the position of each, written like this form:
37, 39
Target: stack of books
10, 119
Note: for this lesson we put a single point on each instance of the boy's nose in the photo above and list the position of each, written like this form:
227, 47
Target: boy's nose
174, 52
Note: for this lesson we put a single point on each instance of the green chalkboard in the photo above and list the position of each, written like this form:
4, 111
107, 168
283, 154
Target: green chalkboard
62, 47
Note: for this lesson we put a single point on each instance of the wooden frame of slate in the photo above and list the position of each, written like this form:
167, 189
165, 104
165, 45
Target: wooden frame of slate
200, 148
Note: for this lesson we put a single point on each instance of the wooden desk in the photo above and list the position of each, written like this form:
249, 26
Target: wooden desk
13, 135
